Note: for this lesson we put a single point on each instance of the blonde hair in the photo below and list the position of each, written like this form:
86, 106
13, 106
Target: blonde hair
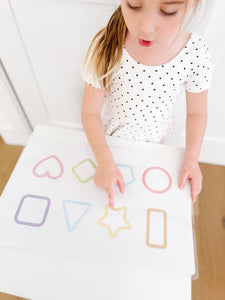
105, 51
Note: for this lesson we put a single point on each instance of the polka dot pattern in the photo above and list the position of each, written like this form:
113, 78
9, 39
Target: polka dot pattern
142, 103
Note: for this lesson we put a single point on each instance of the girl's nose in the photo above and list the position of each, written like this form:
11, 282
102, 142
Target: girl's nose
148, 25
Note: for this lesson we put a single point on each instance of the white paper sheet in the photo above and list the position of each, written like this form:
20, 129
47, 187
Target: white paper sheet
51, 205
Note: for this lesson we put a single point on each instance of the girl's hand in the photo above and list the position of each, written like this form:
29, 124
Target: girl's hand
190, 170
105, 177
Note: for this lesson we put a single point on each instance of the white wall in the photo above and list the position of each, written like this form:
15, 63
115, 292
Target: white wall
213, 148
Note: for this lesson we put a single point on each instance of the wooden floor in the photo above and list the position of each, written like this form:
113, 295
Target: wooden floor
209, 214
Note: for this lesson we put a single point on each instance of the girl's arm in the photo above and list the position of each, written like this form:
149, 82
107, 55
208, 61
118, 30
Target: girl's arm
107, 172
196, 123
91, 119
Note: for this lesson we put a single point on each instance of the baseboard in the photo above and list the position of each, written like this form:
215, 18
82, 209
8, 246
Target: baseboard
212, 152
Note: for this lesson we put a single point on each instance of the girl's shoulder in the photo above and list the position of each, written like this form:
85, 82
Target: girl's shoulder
198, 43
197, 50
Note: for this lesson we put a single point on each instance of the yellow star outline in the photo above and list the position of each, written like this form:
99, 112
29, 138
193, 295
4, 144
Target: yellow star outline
128, 226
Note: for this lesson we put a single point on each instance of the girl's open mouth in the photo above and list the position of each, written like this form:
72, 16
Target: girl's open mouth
145, 43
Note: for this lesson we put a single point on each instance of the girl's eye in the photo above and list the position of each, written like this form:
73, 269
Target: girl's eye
167, 13
162, 11
133, 7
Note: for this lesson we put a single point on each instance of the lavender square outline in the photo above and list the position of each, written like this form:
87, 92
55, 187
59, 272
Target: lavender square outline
29, 223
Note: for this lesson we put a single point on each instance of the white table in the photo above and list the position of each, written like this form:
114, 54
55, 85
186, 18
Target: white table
34, 276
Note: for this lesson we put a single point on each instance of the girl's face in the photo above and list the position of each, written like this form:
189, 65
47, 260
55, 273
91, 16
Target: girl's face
154, 23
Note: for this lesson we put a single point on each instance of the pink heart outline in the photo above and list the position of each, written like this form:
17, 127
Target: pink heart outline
48, 173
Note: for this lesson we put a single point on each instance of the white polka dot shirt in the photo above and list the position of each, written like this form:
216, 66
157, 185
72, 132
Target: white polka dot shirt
141, 106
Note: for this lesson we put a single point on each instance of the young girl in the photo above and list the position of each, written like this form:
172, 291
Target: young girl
139, 63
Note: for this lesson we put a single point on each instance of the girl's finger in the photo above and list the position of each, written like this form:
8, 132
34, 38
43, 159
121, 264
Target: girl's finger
183, 178
110, 192
195, 189
121, 184
194, 198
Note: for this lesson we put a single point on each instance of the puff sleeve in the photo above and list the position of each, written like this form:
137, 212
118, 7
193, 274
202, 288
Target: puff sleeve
201, 71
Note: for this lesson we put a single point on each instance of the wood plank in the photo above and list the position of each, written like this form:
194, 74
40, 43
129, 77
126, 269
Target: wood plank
210, 235
8, 159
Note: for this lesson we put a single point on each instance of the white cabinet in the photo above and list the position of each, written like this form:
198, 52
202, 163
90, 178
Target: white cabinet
54, 36
43, 43
16, 129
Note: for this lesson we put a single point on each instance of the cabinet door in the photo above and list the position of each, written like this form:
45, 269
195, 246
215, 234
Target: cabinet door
21, 102
16, 129
56, 35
